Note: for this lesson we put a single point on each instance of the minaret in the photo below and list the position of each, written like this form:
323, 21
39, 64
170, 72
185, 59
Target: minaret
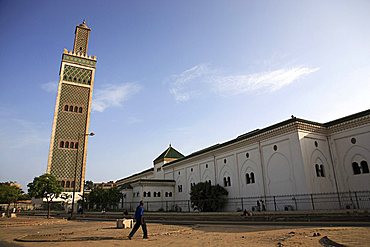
68, 144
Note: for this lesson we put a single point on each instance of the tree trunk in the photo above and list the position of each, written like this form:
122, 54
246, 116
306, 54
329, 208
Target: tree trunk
7, 210
48, 209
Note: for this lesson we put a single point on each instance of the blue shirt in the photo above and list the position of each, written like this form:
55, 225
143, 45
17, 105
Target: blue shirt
139, 212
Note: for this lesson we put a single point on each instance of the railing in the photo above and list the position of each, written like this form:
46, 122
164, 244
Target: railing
298, 202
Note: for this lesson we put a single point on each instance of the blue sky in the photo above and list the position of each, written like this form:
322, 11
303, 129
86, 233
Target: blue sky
189, 73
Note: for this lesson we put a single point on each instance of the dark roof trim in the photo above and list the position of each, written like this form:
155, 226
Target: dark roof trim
275, 126
136, 174
347, 118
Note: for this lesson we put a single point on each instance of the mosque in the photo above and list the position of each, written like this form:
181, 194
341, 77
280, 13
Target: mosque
293, 158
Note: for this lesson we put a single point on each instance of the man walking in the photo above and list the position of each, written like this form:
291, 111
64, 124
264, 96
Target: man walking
139, 217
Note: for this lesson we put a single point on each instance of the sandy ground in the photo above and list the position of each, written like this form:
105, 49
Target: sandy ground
57, 232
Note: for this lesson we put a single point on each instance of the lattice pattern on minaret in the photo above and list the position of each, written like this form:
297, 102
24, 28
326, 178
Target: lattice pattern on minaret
69, 126
78, 75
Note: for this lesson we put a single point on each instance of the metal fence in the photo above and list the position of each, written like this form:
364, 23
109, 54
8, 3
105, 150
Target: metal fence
298, 202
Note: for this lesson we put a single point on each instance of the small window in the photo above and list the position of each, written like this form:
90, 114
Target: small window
225, 161
80, 110
206, 165
317, 170
76, 108
66, 145
68, 184
70, 108
356, 168
248, 179
72, 184
179, 188
247, 155
61, 145
159, 194
166, 194
148, 194
66, 108
252, 178
229, 181
72, 145
364, 167
63, 183
275, 148
76, 145
353, 140
144, 194
322, 173
169, 194
191, 169
155, 194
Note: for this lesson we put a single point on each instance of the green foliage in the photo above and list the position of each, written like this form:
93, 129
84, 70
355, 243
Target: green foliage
46, 187
208, 198
104, 199
89, 185
9, 193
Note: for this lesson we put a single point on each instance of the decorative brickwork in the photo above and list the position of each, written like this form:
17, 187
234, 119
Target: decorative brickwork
76, 74
79, 60
81, 40
69, 127
68, 144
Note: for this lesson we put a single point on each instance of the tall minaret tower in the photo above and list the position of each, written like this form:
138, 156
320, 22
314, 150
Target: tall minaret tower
68, 144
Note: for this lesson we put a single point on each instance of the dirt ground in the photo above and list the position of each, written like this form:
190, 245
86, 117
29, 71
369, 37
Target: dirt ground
42, 232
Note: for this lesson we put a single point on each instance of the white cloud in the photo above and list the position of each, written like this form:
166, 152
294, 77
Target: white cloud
50, 87
113, 95
201, 79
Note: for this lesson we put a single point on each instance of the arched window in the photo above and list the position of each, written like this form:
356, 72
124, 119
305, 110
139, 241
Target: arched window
155, 194
63, 183
72, 184
68, 184
170, 194
209, 181
144, 194
159, 194
76, 108
76, 145
66, 145
148, 195
166, 194
229, 181
225, 182
66, 108
322, 172
252, 178
364, 167
72, 145
80, 110
247, 178
71, 108
356, 168
317, 168
61, 145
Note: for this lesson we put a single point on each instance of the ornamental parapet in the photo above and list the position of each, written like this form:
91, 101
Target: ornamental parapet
79, 58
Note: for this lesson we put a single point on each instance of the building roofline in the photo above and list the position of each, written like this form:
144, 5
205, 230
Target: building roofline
269, 128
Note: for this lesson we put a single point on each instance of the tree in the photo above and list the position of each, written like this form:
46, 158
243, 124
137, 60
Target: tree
9, 193
45, 186
104, 198
208, 198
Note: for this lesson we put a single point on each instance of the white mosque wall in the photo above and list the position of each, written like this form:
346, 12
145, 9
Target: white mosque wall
349, 146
